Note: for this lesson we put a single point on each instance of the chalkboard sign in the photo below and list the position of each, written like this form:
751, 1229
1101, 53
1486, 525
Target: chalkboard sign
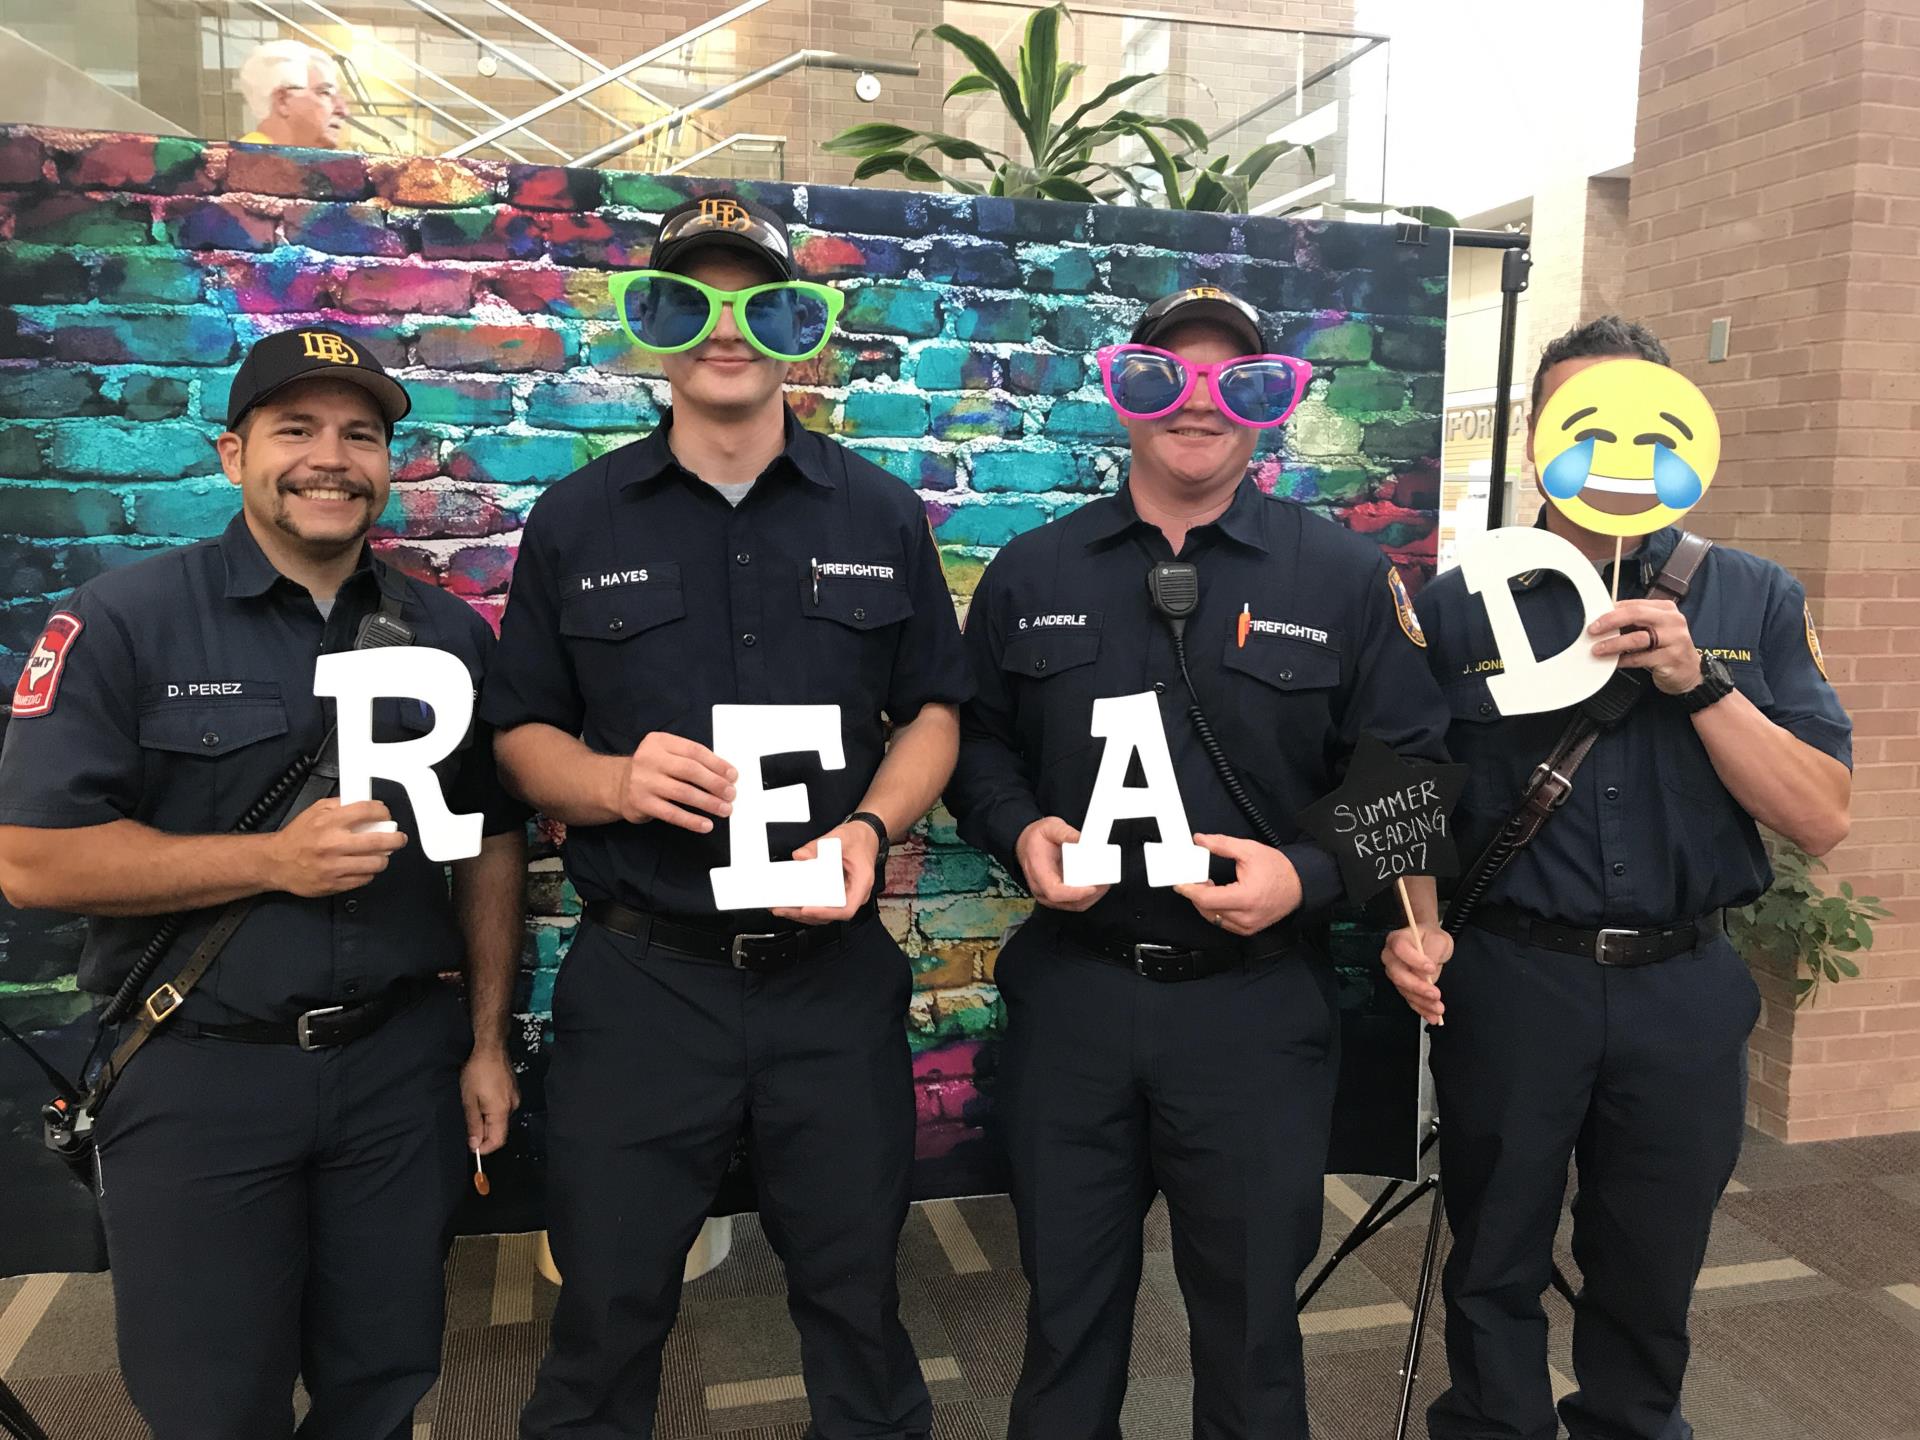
1390, 818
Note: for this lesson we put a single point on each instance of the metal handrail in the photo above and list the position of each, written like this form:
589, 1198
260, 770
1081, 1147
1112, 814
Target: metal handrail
510, 55
624, 68
713, 99
560, 42
727, 144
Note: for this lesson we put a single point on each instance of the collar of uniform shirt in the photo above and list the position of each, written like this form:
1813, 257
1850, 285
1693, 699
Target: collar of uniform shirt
250, 573
653, 457
1652, 554
1242, 520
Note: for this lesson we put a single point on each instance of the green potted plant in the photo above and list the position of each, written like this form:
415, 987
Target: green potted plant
1797, 926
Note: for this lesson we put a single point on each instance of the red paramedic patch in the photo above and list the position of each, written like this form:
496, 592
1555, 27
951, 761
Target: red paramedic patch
40, 681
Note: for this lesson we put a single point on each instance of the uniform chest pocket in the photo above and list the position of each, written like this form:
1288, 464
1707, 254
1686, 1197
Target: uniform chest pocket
620, 612
1045, 654
1285, 664
1470, 702
1057, 712
856, 604
211, 730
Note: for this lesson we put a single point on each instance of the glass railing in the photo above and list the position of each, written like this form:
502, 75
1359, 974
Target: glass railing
752, 91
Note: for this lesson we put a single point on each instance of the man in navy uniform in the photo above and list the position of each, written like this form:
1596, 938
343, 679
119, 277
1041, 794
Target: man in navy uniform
1594, 1009
278, 1165
1178, 1040
732, 557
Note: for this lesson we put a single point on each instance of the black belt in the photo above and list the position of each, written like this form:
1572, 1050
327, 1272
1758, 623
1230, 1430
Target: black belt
760, 951
1610, 945
1172, 963
323, 1029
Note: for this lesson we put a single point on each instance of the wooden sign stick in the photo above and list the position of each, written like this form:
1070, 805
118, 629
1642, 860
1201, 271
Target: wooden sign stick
1618, 541
1406, 904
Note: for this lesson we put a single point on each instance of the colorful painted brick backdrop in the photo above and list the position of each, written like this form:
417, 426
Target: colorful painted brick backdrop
136, 272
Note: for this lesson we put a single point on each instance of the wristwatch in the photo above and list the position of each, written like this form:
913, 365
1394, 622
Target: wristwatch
1716, 683
880, 830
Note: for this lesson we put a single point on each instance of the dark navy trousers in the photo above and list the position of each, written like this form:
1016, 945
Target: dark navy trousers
1637, 1075
273, 1213
1216, 1092
660, 1064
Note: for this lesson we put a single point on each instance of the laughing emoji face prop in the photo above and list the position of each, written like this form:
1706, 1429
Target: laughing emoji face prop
1626, 447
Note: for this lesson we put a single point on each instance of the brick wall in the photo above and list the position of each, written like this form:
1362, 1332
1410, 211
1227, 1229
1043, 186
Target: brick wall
1777, 182
135, 272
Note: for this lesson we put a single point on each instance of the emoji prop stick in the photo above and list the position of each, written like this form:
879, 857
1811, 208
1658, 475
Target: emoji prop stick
1390, 818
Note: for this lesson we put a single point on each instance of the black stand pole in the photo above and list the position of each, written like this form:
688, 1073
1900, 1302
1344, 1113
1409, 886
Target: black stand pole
1382, 1213
15, 1420
1514, 268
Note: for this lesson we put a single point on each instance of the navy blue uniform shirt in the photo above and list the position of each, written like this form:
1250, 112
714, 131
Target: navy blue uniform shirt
642, 599
1649, 835
186, 693
1062, 618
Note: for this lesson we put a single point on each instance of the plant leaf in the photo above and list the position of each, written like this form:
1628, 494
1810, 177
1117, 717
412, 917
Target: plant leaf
983, 59
958, 147
1113, 91
882, 164
1039, 64
1059, 187
971, 83
869, 139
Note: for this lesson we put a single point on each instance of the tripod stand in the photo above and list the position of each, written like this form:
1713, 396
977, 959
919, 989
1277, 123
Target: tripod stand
14, 1419
1383, 1212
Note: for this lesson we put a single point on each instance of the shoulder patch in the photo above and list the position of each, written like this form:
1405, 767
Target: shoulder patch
1813, 645
1403, 606
40, 680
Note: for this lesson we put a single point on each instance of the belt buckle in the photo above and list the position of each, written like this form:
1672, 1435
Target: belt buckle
737, 952
1600, 944
303, 1027
1143, 953
163, 1002
1544, 772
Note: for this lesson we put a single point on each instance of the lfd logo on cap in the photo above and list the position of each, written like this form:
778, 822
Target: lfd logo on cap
725, 213
40, 681
321, 346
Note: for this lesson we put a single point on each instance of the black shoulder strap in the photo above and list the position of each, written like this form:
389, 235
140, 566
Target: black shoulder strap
1552, 779
377, 631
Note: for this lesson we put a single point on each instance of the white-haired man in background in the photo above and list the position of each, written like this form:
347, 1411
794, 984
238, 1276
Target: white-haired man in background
293, 96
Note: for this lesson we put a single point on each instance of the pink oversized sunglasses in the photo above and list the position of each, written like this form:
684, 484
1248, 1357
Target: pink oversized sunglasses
1145, 382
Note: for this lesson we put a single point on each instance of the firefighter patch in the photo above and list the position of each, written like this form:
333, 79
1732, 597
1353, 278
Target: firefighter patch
1403, 606
40, 681
1813, 645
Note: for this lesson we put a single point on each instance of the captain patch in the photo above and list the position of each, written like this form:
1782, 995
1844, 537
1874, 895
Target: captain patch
40, 681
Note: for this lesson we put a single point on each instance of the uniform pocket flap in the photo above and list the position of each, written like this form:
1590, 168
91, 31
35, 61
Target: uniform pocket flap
1040, 654
857, 604
211, 730
1285, 664
622, 613
1472, 701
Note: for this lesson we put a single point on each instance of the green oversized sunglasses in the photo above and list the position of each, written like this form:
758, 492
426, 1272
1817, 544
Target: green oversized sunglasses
666, 313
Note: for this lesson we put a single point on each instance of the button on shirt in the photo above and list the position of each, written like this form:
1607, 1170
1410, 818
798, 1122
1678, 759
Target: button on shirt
1649, 834
641, 599
1062, 618
186, 693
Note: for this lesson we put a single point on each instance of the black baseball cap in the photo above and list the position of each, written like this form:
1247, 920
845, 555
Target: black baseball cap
725, 222
1206, 303
276, 361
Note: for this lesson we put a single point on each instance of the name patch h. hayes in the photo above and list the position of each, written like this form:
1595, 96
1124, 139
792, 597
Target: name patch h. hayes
608, 579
